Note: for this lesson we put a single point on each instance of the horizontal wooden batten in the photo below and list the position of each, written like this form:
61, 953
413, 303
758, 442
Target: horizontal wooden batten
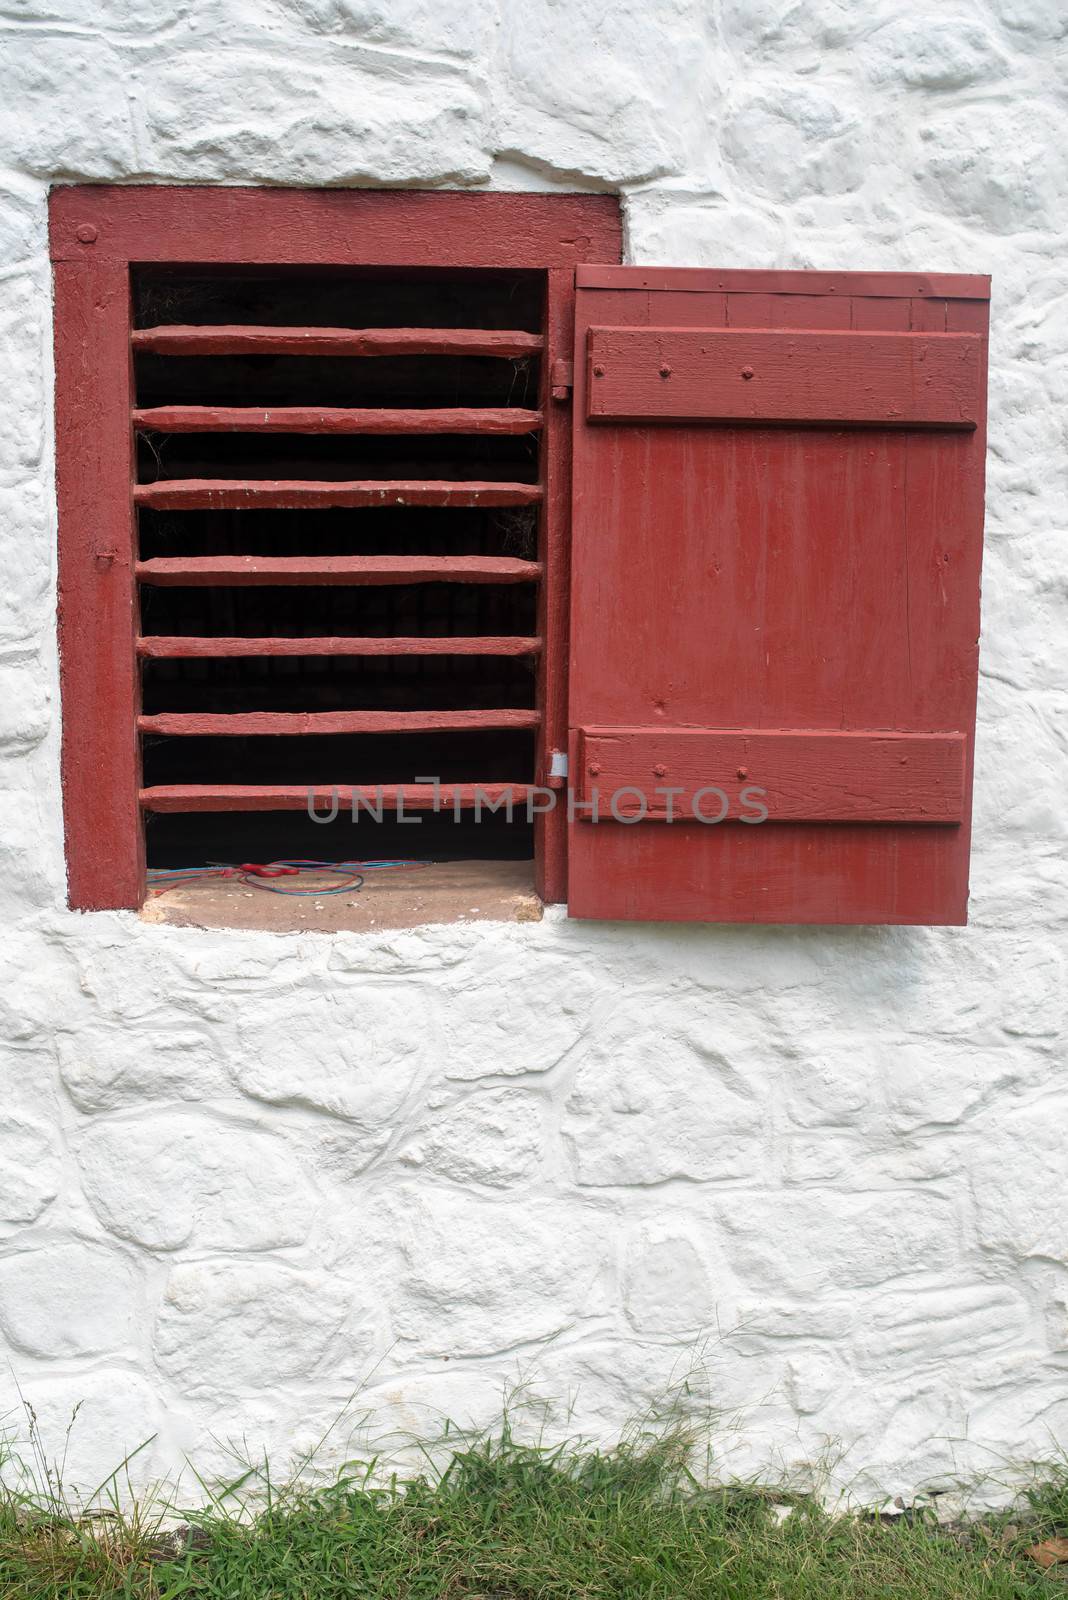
211, 494
295, 797
268, 341
760, 375
337, 420
799, 775
194, 724
178, 647
747, 280
240, 571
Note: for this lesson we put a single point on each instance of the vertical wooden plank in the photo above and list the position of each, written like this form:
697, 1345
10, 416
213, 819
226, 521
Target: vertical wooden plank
788, 311
878, 314
927, 315
554, 548
99, 679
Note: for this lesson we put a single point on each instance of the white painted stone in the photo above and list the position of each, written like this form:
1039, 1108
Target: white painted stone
672, 1281
856, 1130
711, 233
363, 1066
170, 1179
996, 166
475, 1276
234, 1325
801, 28
25, 709
1020, 1184
652, 1101
104, 1073
1032, 22
449, 29
941, 1326
21, 371
598, 118
64, 111
91, 16
808, 1242
30, 1166
494, 1137
24, 599
786, 139
812, 1378
937, 52
322, 124
69, 1298
26, 883
497, 1024
90, 1425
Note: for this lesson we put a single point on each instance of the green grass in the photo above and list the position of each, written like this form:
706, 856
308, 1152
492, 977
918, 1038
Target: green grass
504, 1520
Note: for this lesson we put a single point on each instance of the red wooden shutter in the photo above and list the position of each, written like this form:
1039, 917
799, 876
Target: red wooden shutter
778, 508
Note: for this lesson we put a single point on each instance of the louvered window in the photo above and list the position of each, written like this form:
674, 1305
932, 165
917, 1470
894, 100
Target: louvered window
339, 570
338, 485
372, 538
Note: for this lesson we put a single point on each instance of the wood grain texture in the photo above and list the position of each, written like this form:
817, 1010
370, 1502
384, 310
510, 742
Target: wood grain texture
745, 280
554, 543
802, 776
779, 577
294, 797
220, 494
334, 227
199, 723
837, 378
97, 611
337, 420
208, 571
228, 339
180, 647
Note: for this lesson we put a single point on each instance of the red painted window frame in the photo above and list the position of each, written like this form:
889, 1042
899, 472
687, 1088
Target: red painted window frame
96, 235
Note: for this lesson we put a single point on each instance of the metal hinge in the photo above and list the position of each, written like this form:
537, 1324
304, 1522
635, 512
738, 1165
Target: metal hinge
557, 768
561, 379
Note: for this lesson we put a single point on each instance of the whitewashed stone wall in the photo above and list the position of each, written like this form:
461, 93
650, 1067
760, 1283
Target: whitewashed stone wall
241, 1175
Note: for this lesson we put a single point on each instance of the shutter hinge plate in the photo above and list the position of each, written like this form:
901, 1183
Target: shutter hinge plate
561, 379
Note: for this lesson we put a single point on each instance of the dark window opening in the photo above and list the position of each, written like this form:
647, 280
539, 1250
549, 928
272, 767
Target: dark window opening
227, 592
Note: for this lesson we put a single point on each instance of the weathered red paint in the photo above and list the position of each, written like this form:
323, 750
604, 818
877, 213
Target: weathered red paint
97, 611
334, 227
336, 420
207, 571
749, 281
837, 378
229, 340
178, 647
299, 722
95, 234
838, 776
297, 797
741, 579
211, 494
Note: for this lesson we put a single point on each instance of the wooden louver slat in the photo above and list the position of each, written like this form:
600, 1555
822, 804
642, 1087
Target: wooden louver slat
201, 571
240, 494
231, 340
179, 647
295, 494
338, 419
295, 797
199, 723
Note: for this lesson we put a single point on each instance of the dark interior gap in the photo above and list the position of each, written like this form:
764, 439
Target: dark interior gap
309, 683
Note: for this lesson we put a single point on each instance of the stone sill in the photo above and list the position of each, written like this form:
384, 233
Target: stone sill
441, 892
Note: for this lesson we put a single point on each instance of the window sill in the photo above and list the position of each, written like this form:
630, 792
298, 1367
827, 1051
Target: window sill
442, 892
